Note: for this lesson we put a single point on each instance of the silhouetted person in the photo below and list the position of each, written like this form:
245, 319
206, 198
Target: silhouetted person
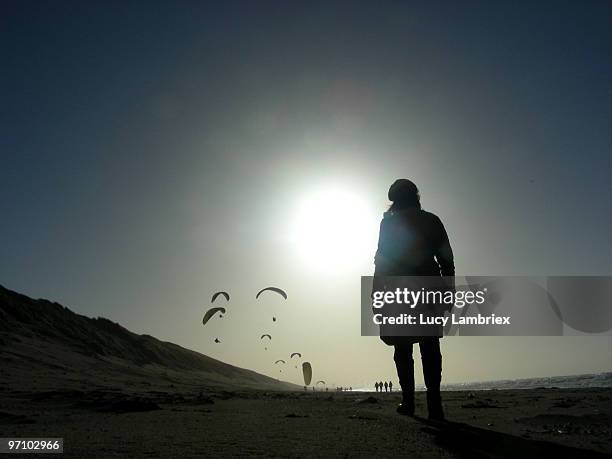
413, 242
376, 385
390, 386
386, 387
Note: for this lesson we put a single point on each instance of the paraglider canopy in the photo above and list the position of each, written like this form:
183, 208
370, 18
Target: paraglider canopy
281, 292
279, 360
266, 335
215, 295
307, 370
295, 353
211, 312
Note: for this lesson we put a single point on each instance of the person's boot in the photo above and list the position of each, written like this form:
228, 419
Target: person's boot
434, 406
406, 408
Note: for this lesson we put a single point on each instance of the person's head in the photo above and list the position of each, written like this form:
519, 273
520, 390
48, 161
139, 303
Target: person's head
404, 194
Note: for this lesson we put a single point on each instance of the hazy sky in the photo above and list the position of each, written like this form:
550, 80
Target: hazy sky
155, 152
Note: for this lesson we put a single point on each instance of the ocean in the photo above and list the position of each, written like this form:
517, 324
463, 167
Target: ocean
561, 382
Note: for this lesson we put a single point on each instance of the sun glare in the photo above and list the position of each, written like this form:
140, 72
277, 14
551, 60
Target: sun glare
335, 231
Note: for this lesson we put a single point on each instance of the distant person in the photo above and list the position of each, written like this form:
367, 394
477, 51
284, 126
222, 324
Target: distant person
390, 386
376, 385
386, 387
380, 386
413, 242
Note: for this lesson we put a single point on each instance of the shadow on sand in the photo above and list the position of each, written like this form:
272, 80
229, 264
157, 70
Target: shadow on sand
474, 442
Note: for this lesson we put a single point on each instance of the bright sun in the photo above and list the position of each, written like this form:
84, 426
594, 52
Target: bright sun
335, 231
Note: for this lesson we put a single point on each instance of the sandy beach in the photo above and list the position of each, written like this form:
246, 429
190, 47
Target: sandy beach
527, 423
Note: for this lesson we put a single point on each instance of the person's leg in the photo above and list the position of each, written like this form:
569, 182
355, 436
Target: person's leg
432, 373
405, 373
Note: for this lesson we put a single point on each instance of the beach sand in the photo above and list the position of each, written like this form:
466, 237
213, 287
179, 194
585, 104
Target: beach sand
519, 423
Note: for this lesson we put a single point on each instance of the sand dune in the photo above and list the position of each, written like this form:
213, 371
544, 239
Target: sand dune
46, 346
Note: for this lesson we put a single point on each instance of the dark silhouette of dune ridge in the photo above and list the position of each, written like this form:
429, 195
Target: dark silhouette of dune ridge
46, 346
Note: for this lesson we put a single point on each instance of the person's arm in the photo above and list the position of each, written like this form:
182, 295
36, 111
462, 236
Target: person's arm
446, 260
444, 253
381, 264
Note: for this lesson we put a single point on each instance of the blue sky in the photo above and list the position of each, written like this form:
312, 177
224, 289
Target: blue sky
153, 152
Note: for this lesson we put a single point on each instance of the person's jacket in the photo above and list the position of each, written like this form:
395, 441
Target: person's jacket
413, 242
